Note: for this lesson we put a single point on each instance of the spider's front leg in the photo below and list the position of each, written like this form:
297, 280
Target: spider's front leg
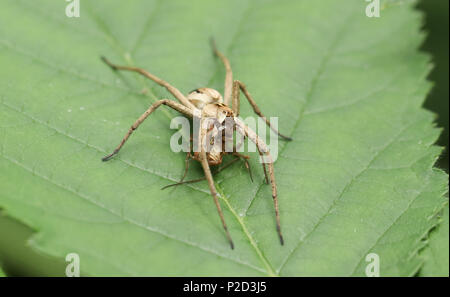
209, 178
177, 106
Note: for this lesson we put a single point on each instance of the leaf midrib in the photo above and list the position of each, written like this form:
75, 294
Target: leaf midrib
128, 58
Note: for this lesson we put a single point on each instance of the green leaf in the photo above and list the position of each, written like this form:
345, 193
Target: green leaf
2, 274
436, 254
358, 177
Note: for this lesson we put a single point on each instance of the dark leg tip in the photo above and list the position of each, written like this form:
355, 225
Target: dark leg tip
108, 63
168, 186
213, 45
107, 158
247, 164
280, 235
232, 245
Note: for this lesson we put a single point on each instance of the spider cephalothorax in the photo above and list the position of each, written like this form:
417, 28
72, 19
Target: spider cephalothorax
217, 120
216, 114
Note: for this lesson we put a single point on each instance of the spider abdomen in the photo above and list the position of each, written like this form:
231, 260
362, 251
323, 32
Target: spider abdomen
202, 96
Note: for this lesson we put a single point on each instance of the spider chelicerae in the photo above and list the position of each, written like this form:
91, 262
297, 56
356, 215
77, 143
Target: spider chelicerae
207, 103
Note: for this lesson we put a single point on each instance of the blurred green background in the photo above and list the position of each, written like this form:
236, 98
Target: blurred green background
17, 259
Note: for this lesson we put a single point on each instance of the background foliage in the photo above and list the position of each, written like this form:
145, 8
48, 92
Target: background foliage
436, 20
358, 177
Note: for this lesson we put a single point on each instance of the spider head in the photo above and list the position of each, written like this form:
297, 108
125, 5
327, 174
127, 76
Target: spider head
203, 96
218, 111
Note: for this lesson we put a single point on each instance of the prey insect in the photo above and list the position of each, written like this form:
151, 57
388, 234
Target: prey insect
206, 103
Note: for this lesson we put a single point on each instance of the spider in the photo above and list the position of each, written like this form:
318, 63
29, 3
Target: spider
206, 103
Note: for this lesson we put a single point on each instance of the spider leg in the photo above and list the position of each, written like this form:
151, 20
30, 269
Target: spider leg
174, 91
235, 100
229, 73
266, 177
267, 158
209, 178
239, 86
186, 169
184, 182
263, 165
245, 159
177, 106
186, 166
202, 178
226, 165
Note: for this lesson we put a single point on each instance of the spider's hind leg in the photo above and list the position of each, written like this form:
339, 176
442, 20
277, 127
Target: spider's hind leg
182, 181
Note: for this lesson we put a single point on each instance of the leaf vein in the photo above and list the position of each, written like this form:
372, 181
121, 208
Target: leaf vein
344, 190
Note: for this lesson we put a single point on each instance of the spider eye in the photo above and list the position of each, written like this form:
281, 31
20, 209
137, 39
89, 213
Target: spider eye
196, 91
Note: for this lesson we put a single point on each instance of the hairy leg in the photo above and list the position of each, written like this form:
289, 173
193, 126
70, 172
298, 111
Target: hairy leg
245, 159
267, 158
229, 73
177, 106
210, 180
239, 86
174, 91
202, 178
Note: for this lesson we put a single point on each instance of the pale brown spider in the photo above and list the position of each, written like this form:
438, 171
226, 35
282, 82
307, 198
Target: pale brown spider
208, 103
